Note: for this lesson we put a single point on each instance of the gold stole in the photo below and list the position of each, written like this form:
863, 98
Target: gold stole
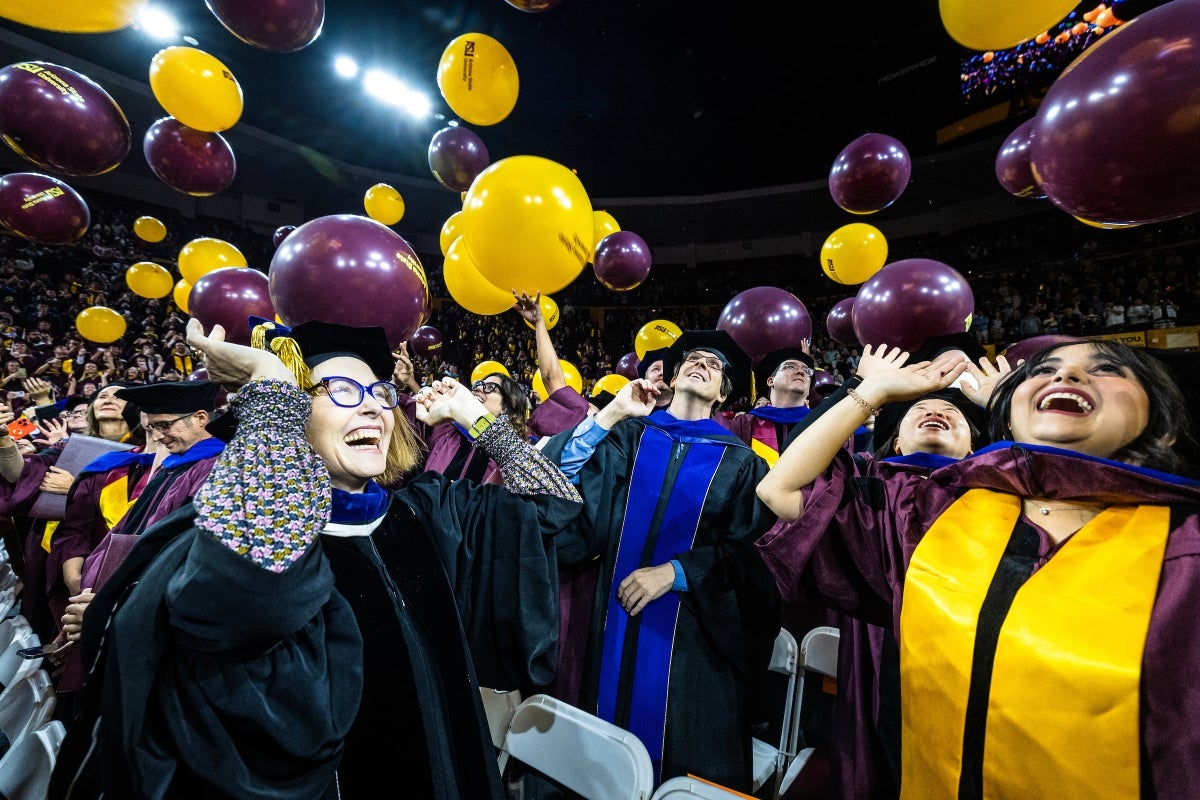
1063, 716
115, 501
769, 455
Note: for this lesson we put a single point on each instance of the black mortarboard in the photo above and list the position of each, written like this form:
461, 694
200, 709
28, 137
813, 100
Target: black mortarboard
887, 423
651, 356
936, 345
320, 341
70, 402
177, 397
737, 364
770, 363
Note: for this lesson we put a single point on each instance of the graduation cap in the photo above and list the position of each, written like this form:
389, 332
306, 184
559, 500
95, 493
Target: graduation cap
318, 341
934, 346
736, 363
71, 402
770, 365
172, 397
887, 423
651, 356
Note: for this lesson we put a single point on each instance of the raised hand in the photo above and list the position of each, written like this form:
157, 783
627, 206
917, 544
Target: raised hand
988, 376
234, 365
39, 391
447, 400
55, 430
403, 373
530, 308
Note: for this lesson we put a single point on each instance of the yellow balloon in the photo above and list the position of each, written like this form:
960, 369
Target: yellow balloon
149, 229
549, 312
100, 324
73, 16
469, 289
384, 204
196, 89
985, 25
528, 224
854, 253
485, 368
655, 335
201, 256
570, 372
147, 279
605, 224
451, 230
478, 78
181, 292
611, 383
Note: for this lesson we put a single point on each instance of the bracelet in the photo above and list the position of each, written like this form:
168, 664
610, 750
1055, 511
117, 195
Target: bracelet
856, 397
480, 425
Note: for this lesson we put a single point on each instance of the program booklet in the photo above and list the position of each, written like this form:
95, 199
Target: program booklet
77, 454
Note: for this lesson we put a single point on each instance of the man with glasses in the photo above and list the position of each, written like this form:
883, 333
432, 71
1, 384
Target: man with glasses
784, 376
174, 417
681, 617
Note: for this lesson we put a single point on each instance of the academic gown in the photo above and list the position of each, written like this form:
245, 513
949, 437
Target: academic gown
390, 636
678, 674
16, 500
468, 600
855, 554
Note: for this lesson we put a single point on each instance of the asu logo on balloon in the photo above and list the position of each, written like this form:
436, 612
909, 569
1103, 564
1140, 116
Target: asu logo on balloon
40, 197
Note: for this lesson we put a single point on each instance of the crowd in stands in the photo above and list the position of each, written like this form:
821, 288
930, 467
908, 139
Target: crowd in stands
1041, 274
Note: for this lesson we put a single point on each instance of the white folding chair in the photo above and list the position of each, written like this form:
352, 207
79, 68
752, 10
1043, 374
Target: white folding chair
25, 770
11, 628
12, 666
8, 600
683, 788
771, 759
818, 654
578, 750
499, 707
26, 706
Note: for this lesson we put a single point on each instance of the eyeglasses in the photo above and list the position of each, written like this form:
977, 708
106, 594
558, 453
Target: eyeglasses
349, 393
792, 366
487, 387
78, 413
166, 424
712, 362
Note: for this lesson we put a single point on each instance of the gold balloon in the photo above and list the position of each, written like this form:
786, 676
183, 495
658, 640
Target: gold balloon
147, 279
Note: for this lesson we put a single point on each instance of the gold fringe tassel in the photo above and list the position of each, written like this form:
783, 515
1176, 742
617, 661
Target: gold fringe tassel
286, 348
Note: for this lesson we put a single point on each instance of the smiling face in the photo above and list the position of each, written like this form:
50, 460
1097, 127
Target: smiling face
935, 426
1080, 399
700, 374
491, 398
353, 442
791, 377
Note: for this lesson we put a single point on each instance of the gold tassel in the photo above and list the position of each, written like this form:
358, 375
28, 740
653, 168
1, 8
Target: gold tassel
286, 348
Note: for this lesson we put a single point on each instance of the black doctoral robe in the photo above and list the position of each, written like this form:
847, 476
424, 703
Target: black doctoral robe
254, 678
678, 675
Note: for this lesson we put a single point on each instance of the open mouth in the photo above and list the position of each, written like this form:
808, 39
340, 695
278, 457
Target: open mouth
935, 424
363, 439
1066, 402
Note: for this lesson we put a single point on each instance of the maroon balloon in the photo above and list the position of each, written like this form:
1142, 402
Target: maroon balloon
764, 319
1022, 350
1012, 163
907, 302
281, 26
426, 341
1116, 140
627, 365
61, 120
824, 383
870, 173
42, 209
533, 6
198, 374
621, 260
456, 156
281, 233
189, 161
350, 270
228, 297
840, 322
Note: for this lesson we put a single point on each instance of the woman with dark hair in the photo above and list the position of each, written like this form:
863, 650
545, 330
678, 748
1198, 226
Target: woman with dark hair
1042, 590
